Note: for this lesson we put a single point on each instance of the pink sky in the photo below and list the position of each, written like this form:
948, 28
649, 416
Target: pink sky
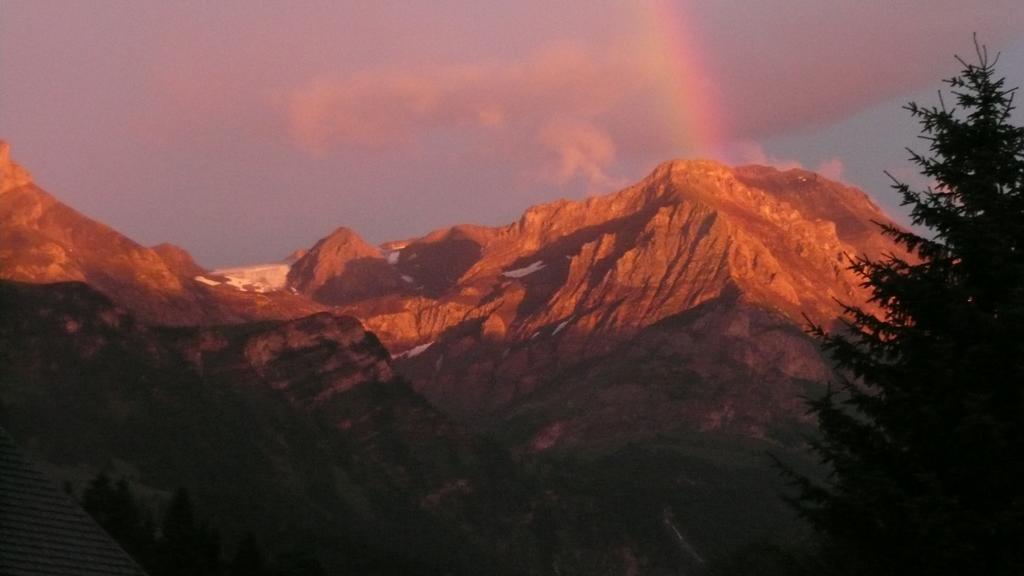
243, 130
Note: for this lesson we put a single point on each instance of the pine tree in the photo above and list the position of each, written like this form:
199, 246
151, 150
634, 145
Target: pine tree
98, 499
115, 508
923, 432
187, 547
127, 524
248, 559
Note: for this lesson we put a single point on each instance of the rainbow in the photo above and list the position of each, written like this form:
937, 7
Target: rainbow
690, 96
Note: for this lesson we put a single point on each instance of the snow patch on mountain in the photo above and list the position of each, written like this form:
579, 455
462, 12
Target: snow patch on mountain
414, 351
257, 278
207, 281
561, 326
526, 271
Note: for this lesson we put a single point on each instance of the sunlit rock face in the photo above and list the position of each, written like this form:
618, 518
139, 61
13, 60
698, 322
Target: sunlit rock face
43, 240
578, 304
310, 359
520, 315
341, 268
11, 175
667, 317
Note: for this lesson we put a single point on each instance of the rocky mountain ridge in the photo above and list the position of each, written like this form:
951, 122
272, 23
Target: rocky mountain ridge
655, 329
490, 320
493, 324
665, 244
43, 240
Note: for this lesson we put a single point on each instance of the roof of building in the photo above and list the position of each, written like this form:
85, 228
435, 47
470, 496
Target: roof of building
44, 532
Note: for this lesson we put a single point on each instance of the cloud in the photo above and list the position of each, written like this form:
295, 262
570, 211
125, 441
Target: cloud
911, 175
784, 65
582, 150
832, 168
554, 110
574, 112
751, 152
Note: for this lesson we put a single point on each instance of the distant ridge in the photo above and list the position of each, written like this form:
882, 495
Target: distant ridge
43, 240
518, 315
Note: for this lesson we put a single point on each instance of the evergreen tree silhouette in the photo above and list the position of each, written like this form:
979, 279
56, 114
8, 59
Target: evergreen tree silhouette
248, 559
186, 547
98, 499
923, 434
115, 508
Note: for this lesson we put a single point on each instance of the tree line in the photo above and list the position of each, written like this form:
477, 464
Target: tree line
175, 541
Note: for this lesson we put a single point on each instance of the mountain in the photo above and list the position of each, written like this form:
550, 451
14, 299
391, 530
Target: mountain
43, 240
342, 268
591, 389
296, 429
675, 304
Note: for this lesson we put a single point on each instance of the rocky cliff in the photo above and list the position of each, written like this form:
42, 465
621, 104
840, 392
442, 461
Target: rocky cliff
489, 321
43, 240
653, 336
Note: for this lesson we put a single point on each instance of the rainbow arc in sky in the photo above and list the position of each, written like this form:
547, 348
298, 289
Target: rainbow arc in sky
690, 95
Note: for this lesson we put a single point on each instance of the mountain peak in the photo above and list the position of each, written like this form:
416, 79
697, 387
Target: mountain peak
689, 165
573, 278
178, 260
11, 174
698, 178
341, 246
344, 234
44, 241
340, 267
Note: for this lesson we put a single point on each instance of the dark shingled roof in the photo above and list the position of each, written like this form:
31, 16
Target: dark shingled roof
44, 532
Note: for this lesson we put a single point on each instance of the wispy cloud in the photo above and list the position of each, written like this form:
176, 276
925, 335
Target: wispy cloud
551, 110
751, 152
582, 149
794, 64
832, 168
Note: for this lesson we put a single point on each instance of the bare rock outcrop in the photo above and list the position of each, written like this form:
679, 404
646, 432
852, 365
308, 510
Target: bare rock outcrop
43, 241
489, 318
